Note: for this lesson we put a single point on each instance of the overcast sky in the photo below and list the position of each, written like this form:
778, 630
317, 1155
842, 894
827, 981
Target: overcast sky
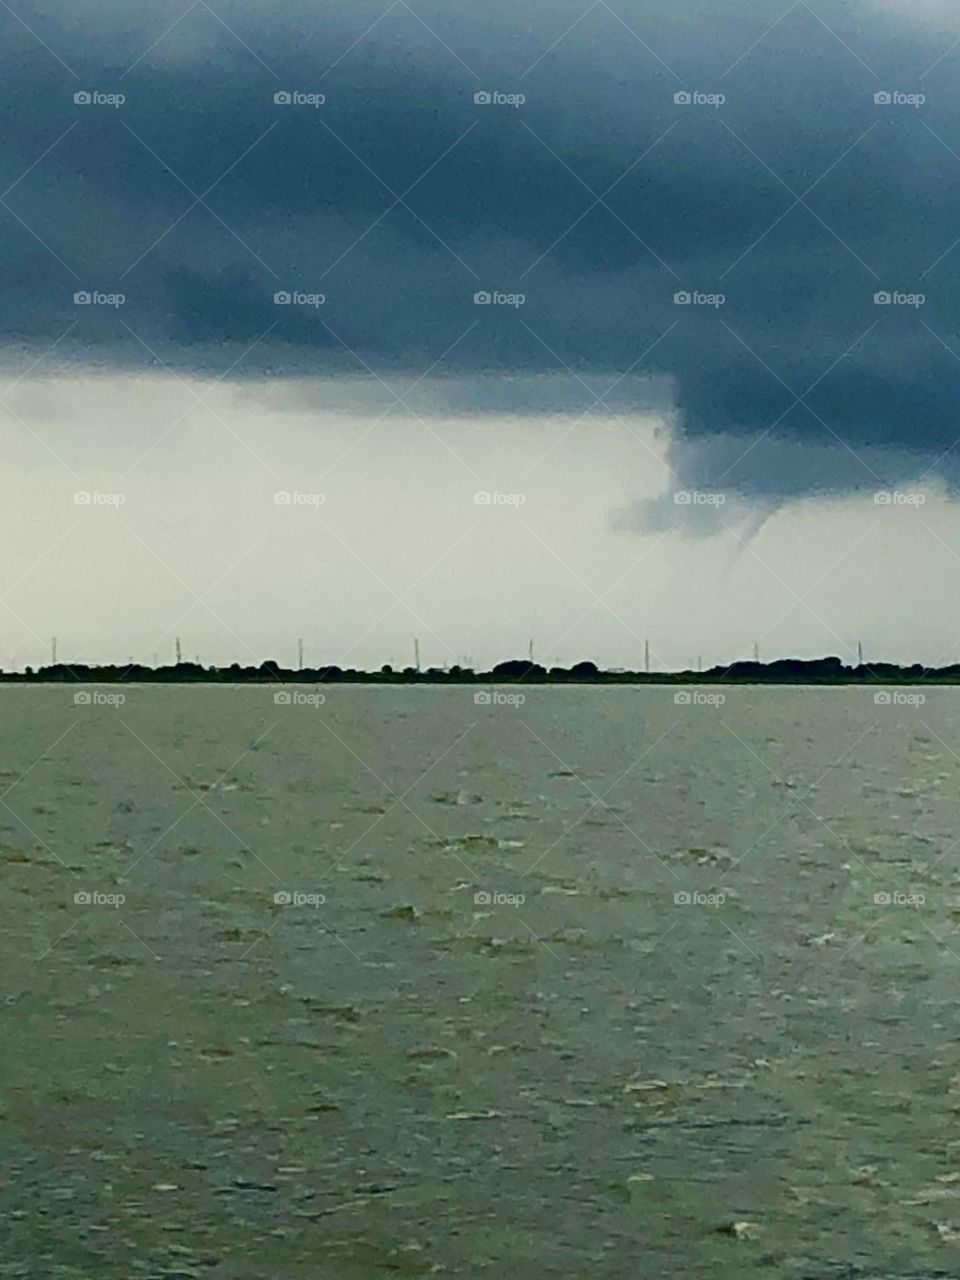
711, 401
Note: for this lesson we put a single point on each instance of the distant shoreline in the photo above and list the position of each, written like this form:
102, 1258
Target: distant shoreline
784, 671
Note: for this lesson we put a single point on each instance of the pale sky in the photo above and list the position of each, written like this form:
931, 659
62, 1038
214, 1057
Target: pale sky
399, 519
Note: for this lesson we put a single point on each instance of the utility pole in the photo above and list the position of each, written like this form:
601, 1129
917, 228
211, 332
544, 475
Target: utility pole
530, 651
859, 653
646, 656
416, 653
300, 655
756, 651
179, 651
53, 651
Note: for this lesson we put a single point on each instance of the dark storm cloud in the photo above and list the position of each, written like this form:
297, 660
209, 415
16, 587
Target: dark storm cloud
400, 198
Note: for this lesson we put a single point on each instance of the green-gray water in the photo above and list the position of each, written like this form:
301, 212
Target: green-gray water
406, 1079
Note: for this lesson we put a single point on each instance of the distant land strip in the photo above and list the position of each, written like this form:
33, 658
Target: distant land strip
797, 671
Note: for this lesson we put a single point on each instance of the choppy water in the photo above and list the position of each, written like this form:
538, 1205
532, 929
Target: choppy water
598, 1081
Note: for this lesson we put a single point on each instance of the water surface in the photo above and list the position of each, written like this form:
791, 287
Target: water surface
407, 1079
